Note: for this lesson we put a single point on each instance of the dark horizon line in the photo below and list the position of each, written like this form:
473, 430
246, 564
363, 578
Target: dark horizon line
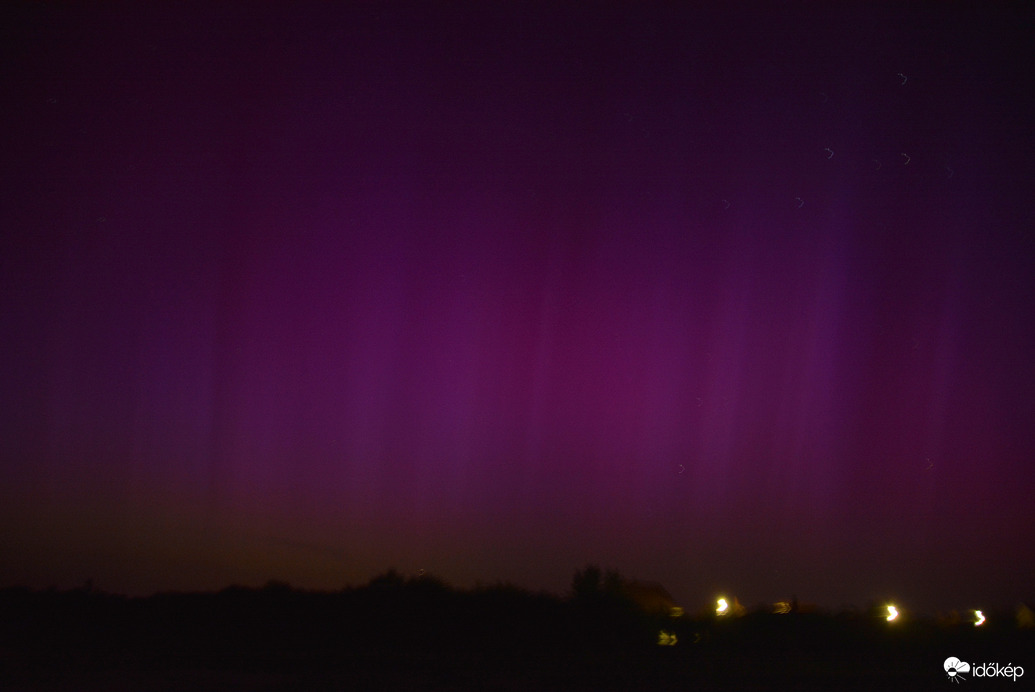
392, 578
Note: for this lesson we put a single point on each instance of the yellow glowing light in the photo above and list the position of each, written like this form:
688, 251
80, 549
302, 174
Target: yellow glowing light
782, 607
667, 638
980, 618
892, 613
675, 611
723, 607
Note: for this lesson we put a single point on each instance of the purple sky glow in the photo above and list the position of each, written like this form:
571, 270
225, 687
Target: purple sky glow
739, 300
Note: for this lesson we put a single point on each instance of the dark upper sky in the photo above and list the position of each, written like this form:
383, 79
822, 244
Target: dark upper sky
739, 300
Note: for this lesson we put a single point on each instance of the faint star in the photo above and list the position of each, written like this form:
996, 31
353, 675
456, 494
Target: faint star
831, 152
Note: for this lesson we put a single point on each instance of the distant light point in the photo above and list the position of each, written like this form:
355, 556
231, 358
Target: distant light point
980, 618
830, 152
904, 78
892, 613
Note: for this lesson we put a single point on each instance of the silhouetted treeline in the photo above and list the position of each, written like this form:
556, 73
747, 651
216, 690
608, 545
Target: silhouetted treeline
608, 632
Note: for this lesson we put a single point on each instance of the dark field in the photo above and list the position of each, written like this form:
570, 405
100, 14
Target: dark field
422, 634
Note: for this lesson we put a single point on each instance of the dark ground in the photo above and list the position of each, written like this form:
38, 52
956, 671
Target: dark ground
421, 634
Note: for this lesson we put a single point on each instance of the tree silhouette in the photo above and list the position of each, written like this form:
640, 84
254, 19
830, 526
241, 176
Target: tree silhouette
586, 584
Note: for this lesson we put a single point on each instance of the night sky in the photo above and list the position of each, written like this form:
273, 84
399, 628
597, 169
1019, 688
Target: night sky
736, 299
